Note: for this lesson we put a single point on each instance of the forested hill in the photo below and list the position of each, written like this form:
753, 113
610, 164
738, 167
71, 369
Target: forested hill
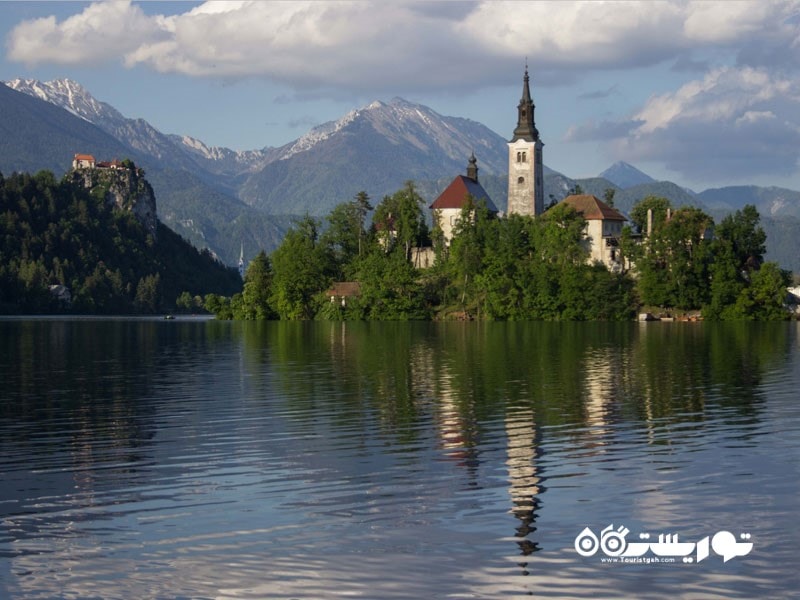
65, 249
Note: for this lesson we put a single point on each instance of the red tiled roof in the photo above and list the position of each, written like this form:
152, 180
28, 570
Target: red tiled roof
83, 157
593, 209
456, 194
344, 288
388, 224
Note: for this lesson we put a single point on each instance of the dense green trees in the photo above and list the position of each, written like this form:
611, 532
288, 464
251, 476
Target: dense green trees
56, 233
513, 268
682, 265
673, 262
63, 248
743, 286
301, 268
537, 269
400, 221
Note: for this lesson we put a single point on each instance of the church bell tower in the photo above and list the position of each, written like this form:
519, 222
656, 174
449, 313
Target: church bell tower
525, 169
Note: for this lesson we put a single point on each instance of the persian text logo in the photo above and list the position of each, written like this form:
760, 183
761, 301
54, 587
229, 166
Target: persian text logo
614, 545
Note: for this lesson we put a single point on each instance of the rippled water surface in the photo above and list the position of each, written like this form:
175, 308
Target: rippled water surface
200, 459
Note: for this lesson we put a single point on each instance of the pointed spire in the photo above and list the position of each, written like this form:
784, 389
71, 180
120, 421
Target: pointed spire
526, 127
241, 261
472, 168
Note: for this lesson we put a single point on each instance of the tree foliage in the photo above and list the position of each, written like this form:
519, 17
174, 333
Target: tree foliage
659, 207
400, 221
682, 265
57, 233
301, 269
743, 286
513, 268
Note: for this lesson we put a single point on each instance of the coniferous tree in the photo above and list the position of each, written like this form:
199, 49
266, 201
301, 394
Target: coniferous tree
255, 298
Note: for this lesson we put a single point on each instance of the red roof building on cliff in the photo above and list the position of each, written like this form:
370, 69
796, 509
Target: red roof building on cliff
83, 161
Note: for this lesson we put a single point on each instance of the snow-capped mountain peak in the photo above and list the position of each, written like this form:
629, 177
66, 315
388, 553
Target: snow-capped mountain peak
322, 132
401, 122
69, 95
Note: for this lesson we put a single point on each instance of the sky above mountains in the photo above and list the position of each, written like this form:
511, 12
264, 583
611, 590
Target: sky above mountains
705, 94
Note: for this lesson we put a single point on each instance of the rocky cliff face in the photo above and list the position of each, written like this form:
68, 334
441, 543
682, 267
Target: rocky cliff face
124, 188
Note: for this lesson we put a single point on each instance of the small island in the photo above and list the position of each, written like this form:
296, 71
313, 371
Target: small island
579, 259
92, 243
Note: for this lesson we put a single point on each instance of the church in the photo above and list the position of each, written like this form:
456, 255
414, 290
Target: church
526, 190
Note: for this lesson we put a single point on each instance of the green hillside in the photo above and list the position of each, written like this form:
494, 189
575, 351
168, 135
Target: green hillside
58, 233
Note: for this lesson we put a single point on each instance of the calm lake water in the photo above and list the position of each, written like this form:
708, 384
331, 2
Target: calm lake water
204, 459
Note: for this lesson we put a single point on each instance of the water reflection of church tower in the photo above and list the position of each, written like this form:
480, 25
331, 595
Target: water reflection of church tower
456, 424
522, 455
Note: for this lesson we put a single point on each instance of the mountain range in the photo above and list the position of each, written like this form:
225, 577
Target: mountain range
221, 198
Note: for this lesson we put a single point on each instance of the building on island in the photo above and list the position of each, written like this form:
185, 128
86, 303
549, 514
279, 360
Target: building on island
526, 192
525, 167
340, 291
83, 161
603, 229
447, 207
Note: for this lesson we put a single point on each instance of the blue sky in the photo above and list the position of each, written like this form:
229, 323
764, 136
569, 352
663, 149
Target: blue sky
705, 94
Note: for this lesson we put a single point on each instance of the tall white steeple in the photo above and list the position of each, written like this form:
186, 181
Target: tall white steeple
241, 261
525, 167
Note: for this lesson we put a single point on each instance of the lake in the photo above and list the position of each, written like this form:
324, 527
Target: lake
144, 458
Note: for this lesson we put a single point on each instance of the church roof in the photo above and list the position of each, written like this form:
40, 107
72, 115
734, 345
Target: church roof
526, 127
456, 194
345, 289
592, 208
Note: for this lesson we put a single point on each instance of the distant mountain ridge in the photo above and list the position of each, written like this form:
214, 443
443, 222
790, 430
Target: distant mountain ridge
178, 151
377, 149
36, 134
771, 201
625, 175
218, 197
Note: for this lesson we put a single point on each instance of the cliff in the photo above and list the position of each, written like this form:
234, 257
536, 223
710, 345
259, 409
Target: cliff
123, 186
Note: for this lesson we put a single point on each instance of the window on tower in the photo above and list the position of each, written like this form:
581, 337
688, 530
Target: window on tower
524, 157
521, 180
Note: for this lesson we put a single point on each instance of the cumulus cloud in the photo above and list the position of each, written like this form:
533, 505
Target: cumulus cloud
739, 120
409, 46
103, 32
743, 116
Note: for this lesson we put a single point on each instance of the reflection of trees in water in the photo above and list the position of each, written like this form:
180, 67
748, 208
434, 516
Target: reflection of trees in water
78, 397
590, 373
78, 375
678, 368
459, 380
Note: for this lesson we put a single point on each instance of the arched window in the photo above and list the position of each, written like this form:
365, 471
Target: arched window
521, 180
524, 157
519, 156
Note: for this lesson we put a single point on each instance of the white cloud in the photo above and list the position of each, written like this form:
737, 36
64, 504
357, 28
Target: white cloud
754, 116
735, 120
101, 33
744, 116
726, 21
412, 46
